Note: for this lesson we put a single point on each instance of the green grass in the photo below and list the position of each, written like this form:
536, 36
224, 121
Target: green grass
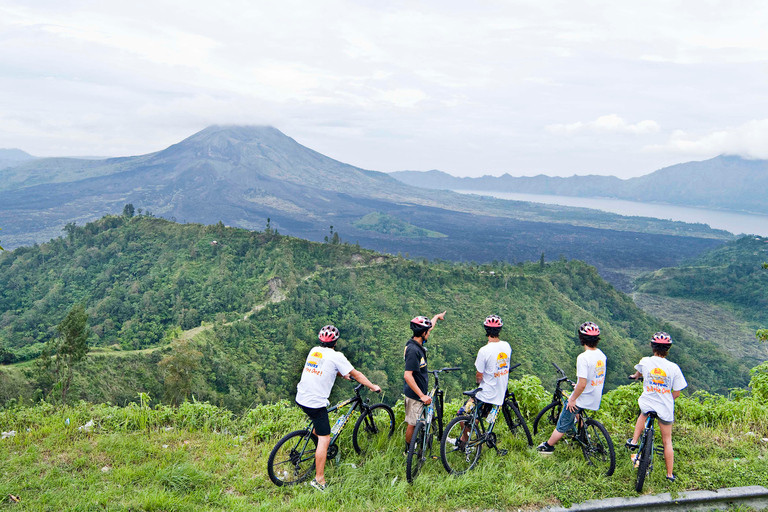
200, 457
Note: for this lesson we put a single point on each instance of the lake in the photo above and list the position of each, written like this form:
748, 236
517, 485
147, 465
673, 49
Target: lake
736, 223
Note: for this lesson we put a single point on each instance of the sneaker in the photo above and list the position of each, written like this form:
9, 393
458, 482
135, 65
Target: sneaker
632, 446
317, 485
672, 478
545, 449
451, 441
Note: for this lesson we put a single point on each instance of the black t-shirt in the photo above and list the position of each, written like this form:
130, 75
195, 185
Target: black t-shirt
416, 362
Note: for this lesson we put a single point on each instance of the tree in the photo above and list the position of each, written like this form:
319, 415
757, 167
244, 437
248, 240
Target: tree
180, 369
128, 211
541, 261
1, 248
63, 353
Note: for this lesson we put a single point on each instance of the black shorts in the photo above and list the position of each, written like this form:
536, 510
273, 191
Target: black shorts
319, 418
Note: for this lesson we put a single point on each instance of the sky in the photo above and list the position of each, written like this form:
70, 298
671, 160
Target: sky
469, 88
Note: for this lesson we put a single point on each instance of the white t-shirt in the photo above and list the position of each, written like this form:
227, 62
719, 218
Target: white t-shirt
660, 379
590, 365
318, 376
493, 362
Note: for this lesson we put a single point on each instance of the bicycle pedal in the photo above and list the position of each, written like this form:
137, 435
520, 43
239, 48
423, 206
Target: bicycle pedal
659, 450
501, 452
434, 457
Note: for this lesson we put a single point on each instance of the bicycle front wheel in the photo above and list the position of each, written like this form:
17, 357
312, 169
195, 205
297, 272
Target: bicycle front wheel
416, 451
645, 454
599, 448
373, 428
548, 415
292, 459
517, 423
459, 456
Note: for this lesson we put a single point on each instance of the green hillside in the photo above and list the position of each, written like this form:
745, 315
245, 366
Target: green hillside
263, 297
731, 275
389, 225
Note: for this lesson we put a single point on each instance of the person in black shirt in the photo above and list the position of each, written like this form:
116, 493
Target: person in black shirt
415, 388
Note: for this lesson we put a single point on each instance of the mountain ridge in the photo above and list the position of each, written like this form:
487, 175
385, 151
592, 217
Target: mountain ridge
244, 175
723, 182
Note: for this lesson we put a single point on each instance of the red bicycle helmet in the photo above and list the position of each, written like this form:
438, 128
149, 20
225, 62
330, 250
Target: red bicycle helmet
662, 338
420, 324
493, 321
328, 334
589, 329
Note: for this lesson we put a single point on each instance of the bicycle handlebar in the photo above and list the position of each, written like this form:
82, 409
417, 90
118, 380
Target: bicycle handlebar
559, 370
435, 372
513, 367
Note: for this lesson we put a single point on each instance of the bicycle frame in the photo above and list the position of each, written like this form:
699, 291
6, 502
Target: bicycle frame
338, 427
648, 436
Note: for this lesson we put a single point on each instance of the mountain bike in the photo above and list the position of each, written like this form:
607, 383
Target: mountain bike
466, 434
292, 460
429, 426
596, 444
643, 461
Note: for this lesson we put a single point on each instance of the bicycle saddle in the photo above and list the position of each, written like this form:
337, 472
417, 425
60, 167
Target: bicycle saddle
472, 393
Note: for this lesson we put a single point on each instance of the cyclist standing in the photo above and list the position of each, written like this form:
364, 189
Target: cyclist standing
662, 383
416, 374
492, 365
588, 393
320, 369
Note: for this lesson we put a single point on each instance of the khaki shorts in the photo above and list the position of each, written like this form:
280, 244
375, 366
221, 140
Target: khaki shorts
413, 410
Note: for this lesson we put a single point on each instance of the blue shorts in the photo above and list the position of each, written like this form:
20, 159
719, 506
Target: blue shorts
567, 420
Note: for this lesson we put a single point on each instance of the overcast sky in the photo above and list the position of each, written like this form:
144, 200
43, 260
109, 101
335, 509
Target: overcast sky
470, 88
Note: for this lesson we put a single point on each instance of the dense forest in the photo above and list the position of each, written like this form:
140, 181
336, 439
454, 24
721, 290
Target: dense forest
143, 280
731, 275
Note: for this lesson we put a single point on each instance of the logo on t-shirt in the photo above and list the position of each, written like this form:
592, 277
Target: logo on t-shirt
314, 363
502, 364
599, 373
658, 382
422, 363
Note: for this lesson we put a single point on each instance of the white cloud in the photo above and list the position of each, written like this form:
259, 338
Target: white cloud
606, 124
749, 140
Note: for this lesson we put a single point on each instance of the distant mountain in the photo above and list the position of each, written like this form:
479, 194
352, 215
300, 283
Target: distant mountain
244, 175
11, 157
724, 182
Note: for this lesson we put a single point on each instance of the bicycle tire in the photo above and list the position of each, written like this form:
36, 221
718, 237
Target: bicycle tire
299, 464
598, 447
416, 456
645, 461
555, 414
379, 421
470, 456
521, 422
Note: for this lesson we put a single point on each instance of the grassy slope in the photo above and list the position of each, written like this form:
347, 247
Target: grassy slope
389, 225
193, 458
731, 276
707, 321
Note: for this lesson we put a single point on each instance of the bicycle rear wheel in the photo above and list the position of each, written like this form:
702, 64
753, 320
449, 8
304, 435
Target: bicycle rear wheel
599, 449
645, 454
373, 428
416, 451
549, 415
292, 459
460, 456
518, 422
